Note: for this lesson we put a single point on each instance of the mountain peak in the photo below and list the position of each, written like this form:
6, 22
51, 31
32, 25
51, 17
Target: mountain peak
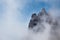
43, 10
44, 24
41, 17
35, 17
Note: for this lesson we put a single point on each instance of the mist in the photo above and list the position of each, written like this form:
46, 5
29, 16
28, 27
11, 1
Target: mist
11, 26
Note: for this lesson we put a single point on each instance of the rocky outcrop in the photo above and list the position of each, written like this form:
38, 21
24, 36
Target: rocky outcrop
45, 24
42, 16
38, 20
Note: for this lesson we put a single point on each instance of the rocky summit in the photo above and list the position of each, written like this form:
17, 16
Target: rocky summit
45, 25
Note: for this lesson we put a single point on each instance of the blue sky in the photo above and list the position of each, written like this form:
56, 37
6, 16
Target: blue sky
15, 14
36, 5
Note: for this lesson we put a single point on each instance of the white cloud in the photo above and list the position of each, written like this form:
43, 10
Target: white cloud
10, 27
54, 12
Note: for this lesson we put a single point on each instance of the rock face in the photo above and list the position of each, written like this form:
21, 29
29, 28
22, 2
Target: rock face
43, 16
45, 24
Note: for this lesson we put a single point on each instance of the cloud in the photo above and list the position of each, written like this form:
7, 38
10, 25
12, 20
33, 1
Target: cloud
54, 12
10, 26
